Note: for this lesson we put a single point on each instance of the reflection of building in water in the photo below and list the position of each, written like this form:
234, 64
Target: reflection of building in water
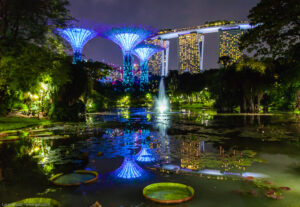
190, 153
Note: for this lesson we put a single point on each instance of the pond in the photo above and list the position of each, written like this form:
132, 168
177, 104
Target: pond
229, 160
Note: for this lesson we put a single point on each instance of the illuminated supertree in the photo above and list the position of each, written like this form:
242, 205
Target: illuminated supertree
129, 169
77, 36
144, 52
127, 37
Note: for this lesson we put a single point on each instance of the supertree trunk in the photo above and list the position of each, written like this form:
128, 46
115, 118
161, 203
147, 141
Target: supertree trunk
127, 73
144, 80
77, 57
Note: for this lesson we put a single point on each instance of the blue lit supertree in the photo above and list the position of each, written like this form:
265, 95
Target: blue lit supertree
144, 52
77, 36
127, 37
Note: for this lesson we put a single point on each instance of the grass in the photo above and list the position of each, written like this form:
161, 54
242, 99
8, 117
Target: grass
9, 123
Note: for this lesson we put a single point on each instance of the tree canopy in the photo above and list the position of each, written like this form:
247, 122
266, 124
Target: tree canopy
277, 28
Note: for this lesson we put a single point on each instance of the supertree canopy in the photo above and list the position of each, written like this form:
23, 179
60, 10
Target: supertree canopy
77, 37
127, 37
144, 52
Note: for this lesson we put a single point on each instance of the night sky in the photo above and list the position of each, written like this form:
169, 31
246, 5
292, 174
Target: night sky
160, 14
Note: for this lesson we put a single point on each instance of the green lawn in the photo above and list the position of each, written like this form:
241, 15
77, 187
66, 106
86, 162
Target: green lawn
9, 123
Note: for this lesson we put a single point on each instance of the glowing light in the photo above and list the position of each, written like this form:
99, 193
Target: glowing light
44, 86
145, 155
211, 172
127, 37
77, 37
255, 175
162, 106
129, 170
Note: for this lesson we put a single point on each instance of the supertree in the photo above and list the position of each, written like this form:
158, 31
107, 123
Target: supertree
144, 52
77, 36
127, 37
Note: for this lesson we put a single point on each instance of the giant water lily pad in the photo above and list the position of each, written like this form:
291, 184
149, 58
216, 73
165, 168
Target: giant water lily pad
35, 202
41, 134
9, 138
168, 192
74, 179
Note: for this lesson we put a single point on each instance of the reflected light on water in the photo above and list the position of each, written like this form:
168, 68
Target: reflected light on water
145, 155
129, 169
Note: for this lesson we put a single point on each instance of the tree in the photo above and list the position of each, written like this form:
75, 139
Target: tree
277, 35
22, 70
277, 28
30, 20
225, 61
28, 51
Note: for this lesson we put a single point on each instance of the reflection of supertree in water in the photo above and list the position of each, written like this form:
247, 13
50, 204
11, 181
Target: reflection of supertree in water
127, 37
77, 37
129, 169
145, 155
144, 52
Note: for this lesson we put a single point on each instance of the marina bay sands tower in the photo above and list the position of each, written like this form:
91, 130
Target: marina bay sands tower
190, 52
191, 46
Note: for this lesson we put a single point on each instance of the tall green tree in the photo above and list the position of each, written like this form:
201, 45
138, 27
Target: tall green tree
30, 20
277, 28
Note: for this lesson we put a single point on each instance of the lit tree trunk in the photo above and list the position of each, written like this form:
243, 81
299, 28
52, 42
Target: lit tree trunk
259, 97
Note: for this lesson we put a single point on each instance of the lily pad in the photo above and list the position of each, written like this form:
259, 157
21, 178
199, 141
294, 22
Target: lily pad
42, 134
74, 179
168, 192
35, 202
9, 138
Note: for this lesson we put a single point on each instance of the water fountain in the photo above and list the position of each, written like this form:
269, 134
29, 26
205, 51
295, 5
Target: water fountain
162, 104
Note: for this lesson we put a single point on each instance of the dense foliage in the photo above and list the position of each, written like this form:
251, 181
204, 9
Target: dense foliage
37, 77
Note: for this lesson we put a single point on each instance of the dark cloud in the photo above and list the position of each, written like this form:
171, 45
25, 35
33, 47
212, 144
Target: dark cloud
160, 14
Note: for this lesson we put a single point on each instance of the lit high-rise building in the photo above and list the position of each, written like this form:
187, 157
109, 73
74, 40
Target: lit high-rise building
158, 63
229, 43
190, 50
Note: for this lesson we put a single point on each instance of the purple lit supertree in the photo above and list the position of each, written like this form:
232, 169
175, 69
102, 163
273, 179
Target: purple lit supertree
77, 36
127, 37
144, 52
